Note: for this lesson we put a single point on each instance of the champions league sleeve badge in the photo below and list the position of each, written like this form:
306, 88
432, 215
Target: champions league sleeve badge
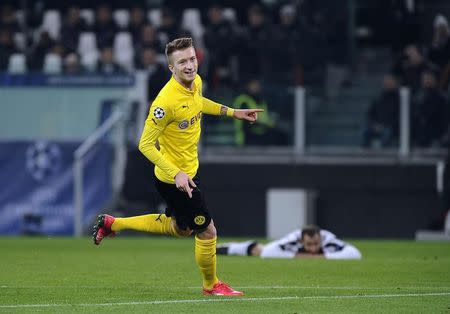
159, 113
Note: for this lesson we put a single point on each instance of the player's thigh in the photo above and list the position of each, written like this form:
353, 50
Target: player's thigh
198, 216
189, 213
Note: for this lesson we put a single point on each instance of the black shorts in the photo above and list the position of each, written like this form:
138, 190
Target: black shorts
188, 212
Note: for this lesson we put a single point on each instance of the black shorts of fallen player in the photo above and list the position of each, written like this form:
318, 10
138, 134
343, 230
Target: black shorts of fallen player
188, 212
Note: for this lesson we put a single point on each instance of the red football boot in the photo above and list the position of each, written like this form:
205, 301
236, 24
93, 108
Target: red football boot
102, 228
222, 288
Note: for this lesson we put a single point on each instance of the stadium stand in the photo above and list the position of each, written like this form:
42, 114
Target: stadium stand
17, 64
52, 23
52, 64
324, 46
121, 17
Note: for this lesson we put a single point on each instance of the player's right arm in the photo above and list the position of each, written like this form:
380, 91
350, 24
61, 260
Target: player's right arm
158, 118
214, 108
147, 146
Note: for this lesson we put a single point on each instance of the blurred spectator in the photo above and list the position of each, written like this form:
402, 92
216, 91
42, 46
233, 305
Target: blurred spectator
439, 51
338, 54
59, 49
285, 48
402, 26
137, 22
314, 14
313, 50
72, 27
383, 115
157, 74
411, 67
430, 112
252, 47
72, 64
262, 132
148, 39
169, 29
34, 13
8, 19
220, 42
7, 48
43, 46
106, 64
104, 27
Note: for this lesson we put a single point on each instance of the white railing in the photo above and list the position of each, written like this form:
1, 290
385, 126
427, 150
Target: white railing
299, 121
116, 120
405, 105
404, 148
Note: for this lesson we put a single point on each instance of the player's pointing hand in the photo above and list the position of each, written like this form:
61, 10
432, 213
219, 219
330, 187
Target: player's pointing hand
184, 183
250, 115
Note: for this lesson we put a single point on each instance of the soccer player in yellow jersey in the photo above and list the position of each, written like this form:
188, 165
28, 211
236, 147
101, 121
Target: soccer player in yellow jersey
174, 121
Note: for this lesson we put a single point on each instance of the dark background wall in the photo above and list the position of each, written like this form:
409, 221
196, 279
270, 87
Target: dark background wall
369, 200
353, 200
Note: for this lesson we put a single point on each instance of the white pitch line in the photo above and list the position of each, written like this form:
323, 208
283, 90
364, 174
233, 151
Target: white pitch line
237, 287
375, 296
156, 302
151, 302
334, 287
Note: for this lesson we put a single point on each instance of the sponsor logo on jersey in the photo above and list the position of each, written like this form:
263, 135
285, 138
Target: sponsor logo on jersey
183, 124
159, 113
199, 220
196, 118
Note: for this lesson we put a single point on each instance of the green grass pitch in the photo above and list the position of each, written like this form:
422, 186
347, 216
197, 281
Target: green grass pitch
159, 275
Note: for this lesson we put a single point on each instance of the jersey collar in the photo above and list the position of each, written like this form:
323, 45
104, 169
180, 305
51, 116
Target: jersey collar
177, 85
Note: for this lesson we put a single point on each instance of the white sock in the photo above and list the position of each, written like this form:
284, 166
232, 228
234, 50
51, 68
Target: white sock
239, 248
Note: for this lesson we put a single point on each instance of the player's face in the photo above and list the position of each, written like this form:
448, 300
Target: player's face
184, 65
311, 244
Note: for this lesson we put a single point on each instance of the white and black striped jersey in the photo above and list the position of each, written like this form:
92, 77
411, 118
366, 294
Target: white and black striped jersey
331, 247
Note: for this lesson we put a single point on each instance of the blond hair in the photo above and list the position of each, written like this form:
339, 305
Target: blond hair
178, 44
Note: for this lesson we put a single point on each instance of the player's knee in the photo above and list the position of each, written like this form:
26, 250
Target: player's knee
209, 233
184, 233
181, 232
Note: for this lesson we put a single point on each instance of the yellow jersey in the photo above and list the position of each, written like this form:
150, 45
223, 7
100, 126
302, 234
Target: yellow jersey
174, 120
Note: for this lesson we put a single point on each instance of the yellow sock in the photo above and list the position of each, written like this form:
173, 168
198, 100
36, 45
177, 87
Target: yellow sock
205, 256
155, 223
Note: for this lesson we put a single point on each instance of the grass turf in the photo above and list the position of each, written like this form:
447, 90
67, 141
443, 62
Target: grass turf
65, 275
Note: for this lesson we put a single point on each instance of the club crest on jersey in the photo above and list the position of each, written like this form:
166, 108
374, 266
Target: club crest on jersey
183, 124
159, 113
199, 220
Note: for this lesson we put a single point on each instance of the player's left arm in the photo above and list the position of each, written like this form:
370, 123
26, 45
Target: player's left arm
214, 108
347, 252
